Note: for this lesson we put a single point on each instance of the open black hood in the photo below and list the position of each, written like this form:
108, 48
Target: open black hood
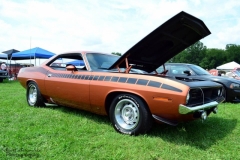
169, 39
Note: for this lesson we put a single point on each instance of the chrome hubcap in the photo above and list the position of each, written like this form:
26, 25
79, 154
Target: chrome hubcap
127, 114
32, 94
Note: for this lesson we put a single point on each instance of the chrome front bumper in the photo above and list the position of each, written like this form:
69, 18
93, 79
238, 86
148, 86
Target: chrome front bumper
185, 110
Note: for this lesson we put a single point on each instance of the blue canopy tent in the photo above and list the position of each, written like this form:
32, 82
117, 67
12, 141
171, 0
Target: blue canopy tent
32, 54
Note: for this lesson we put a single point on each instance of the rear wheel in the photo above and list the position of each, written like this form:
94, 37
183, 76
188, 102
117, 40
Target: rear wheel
1, 80
228, 97
34, 97
130, 115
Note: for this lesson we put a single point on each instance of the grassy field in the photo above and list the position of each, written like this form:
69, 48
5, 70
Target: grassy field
63, 133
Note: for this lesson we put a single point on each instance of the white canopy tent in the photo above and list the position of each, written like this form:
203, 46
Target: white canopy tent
228, 66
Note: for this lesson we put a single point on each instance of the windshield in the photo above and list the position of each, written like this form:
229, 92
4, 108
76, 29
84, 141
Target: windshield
198, 70
100, 61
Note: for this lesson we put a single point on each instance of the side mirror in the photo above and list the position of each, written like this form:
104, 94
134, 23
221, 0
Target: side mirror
187, 72
70, 68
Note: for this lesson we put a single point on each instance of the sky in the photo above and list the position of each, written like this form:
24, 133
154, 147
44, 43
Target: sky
107, 25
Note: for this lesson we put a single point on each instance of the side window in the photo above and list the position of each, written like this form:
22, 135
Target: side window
178, 70
161, 69
62, 61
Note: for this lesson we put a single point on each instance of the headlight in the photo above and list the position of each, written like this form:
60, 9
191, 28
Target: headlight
235, 86
187, 98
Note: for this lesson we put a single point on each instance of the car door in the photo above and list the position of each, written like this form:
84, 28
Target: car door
68, 88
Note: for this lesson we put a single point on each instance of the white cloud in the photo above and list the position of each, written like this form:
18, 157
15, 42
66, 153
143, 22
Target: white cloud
107, 26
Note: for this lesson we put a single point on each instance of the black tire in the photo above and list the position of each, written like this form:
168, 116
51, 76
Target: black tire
34, 97
227, 98
1, 80
130, 115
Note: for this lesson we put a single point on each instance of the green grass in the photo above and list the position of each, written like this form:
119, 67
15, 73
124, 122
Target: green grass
63, 133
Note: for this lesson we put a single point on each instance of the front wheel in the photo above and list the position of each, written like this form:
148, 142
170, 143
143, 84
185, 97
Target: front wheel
130, 115
34, 97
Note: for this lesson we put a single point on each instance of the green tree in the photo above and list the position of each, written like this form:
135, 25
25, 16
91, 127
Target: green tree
180, 58
233, 53
117, 53
213, 57
193, 54
208, 58
196, 52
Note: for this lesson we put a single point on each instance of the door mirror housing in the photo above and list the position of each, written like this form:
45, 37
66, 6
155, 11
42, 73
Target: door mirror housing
187, 72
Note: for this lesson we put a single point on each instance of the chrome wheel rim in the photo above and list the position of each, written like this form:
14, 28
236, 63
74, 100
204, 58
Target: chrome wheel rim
32, 94
127, 114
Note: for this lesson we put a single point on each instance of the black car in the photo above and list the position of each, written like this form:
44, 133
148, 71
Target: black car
3, 75
193, 72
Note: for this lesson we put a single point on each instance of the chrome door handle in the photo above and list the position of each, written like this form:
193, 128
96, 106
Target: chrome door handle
49, 75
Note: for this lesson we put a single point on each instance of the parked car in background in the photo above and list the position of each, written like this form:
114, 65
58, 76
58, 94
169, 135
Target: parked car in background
3, 71
12, 71
184, 70
121, 87
215, 72
3, 75
235, 73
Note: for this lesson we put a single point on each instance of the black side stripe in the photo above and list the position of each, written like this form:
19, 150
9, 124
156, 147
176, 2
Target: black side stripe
154, 84
142, 82
165, 86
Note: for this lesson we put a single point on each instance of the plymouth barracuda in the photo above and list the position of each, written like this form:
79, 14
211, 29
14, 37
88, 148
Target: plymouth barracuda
121, 87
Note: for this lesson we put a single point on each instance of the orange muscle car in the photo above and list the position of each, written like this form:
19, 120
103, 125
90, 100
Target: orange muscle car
121, 87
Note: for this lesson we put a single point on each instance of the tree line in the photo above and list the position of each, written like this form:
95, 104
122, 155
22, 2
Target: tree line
207, 58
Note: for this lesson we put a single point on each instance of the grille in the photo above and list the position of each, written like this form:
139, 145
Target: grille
199, 96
